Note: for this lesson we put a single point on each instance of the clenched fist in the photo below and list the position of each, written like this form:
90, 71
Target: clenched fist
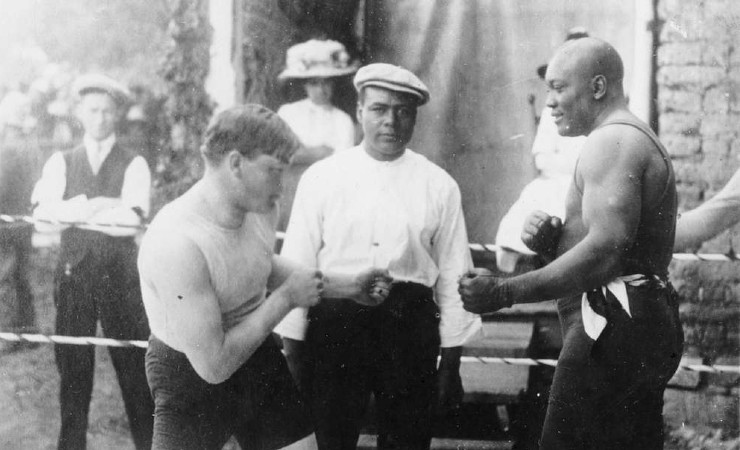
374, 285
541, 233
303, 288
481, 292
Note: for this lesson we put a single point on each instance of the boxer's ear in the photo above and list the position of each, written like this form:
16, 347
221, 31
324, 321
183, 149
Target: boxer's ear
598, 86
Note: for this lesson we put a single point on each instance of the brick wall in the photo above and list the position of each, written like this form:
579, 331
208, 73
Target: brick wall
698, 79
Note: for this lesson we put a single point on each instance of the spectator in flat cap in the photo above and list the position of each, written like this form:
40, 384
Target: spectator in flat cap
321, 127
99, 182
380, 204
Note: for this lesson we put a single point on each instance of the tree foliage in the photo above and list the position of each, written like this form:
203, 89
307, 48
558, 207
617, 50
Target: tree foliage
124, 39
188, 106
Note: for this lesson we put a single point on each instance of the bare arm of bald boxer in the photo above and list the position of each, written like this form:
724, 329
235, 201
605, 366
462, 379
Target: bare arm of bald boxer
600, 226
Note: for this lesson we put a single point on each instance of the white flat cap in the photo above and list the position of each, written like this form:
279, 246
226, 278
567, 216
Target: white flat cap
391, 77
100, 83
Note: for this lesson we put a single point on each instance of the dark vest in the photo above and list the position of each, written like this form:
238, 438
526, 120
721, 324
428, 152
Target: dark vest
77, 243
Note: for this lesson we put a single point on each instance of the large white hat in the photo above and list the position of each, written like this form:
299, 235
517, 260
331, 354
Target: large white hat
317, 59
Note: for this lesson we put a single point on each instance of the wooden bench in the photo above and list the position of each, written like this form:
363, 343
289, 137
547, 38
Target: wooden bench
498, 383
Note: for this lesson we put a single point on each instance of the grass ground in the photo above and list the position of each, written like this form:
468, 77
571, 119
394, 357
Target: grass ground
29, 385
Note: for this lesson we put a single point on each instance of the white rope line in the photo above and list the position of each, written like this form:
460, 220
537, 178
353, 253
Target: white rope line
107, 342
72, 340
4, 218
8, 219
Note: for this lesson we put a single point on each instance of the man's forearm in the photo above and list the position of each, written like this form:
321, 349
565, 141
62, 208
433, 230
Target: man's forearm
576, 271
241, 341
340, 286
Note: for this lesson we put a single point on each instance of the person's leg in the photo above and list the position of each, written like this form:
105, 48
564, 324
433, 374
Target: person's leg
123, 317
25, 317
269, 410
8, 291
15, 289
566, 419
338, 372
639, 354
408, 346
76, 316
190, 414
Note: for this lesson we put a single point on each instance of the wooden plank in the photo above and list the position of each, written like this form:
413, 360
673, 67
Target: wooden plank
494, 383
369, 442
502, 339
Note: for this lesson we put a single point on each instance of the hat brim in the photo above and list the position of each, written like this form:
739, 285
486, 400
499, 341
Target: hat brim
323, 72
120, 97
420, 96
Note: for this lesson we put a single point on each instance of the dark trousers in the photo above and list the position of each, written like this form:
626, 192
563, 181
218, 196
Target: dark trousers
15, 289
259, 404
390, 351
106, 289
608, 394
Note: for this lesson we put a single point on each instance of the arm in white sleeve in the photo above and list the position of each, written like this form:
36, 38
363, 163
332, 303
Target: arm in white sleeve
302, 243
48, 194
452, 255
137, 182
712, 217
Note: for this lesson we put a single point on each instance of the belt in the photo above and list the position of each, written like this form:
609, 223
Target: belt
596, 304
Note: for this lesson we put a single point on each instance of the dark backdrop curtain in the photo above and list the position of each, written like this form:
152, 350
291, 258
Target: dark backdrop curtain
479, 59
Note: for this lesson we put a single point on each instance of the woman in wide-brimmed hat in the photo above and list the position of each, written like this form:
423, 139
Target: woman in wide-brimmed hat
321, 127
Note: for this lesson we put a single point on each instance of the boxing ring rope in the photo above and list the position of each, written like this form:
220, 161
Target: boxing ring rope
107, 342
9, 219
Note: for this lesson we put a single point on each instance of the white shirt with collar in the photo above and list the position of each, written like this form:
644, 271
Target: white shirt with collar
352, 212
48, 193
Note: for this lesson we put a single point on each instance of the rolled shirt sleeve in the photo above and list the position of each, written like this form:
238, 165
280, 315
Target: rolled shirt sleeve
452, 255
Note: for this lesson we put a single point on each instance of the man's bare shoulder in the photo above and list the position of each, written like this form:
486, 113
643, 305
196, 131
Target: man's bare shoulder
616, 147
168, 237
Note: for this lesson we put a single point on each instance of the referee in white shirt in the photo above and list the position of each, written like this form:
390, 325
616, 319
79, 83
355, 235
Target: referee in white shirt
380, 204
96, 279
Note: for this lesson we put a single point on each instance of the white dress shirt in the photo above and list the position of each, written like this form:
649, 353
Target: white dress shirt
48, 193
352, 212
317, 125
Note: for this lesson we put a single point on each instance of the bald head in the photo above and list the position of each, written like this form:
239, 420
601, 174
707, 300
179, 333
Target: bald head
590, 57
585, 80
